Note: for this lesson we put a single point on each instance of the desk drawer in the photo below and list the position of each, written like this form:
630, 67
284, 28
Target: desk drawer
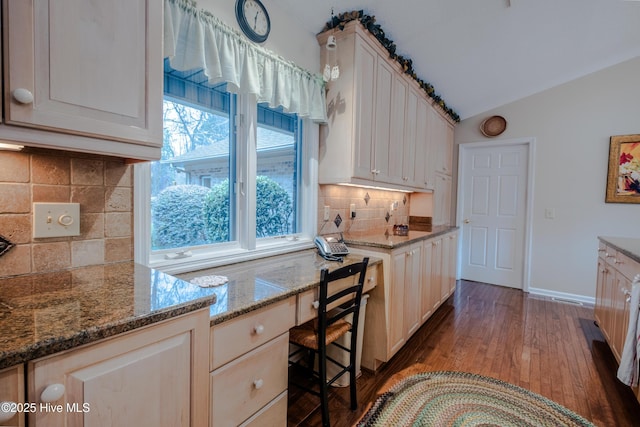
306, 300
272, 415
231, 339
241, 388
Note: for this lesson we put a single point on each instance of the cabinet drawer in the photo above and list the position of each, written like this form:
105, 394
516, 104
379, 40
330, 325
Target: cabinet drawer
307, 299
242, 387
272, 415
625, 265
602, 250
238, 336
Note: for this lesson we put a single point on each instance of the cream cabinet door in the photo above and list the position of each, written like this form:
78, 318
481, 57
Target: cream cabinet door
85, 67
153, 377
449, 256
442, 200
12, 391
382, 124
412, 285
364, 80
395, 144
436, 275
396, 334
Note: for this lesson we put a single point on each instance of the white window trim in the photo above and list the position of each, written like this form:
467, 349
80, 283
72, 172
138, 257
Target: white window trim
229, 253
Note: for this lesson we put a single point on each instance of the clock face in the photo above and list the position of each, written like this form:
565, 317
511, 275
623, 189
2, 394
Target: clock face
253, 19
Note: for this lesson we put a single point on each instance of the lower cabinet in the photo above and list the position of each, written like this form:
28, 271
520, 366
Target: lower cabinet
12, 392
418, 278
249, 367
151, 376
613, 290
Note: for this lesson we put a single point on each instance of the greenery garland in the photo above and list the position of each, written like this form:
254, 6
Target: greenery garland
369, 22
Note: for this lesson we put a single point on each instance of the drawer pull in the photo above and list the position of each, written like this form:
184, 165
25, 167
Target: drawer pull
52, 393
259, 329
258, 383
618, 262
6, 415
315, 304
22, 95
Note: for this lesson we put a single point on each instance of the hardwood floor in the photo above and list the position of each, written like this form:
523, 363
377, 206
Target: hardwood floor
551, 348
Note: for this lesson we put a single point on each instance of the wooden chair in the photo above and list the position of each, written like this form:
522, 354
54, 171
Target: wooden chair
317, 334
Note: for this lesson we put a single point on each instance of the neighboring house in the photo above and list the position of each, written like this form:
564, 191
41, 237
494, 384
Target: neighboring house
209, 165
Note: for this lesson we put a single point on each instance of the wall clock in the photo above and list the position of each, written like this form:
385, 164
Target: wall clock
253, 19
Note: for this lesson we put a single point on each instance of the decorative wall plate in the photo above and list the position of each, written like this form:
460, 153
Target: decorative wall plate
493, 126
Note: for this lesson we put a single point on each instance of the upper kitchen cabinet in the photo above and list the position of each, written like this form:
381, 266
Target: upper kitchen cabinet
84, 75
379, 119
440, 143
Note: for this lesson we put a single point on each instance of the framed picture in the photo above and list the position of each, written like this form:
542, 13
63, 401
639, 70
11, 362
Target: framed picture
623, 180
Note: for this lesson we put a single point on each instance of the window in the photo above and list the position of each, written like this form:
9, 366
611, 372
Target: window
230, 184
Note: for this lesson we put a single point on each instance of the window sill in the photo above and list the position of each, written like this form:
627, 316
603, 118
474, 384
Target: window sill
213, 258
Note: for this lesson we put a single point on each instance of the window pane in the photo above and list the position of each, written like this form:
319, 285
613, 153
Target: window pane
190, 203
277, 172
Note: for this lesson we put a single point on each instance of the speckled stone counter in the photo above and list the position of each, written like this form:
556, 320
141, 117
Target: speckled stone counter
385, 239
255, 284
42, 314
627, 245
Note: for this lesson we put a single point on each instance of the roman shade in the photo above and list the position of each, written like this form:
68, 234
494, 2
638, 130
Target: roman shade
196, 40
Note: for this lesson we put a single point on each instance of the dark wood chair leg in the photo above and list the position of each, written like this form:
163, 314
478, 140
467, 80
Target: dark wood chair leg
324, 388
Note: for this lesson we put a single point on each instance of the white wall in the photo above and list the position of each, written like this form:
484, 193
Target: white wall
287, 37
572, 124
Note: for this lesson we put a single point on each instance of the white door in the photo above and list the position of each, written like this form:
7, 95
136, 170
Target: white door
493, 212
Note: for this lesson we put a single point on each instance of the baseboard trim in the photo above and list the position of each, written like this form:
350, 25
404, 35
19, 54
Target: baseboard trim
563, 297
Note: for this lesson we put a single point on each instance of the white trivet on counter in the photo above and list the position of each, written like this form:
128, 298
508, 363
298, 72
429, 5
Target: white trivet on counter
209, 281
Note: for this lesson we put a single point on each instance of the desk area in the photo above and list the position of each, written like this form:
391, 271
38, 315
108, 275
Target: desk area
242, 340
249, 334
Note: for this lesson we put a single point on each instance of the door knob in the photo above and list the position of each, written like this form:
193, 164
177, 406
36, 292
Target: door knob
467, 221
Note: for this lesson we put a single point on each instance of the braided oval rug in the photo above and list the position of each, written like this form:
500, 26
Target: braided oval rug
463, 399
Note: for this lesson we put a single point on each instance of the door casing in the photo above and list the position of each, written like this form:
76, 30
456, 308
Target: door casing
463, 150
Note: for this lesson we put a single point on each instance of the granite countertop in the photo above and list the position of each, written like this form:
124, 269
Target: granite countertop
42, 314
385, 239
255, 284
627, 245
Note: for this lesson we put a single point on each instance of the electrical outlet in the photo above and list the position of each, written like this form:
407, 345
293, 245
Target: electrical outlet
327, 212
550, 213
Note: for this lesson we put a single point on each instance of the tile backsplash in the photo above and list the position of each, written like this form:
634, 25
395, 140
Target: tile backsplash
102, 185
373, 208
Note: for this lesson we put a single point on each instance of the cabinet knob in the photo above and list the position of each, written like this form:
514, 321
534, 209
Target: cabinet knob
259, 329
7, 410
23, 96
258, 383
315, 304
52, 393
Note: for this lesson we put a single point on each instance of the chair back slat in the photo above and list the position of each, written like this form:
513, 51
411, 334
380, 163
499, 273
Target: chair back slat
349, 306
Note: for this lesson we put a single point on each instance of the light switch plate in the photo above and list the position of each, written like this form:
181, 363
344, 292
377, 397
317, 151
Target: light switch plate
56, 219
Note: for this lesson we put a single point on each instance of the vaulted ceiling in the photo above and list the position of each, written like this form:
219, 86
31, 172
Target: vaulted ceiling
481, 54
